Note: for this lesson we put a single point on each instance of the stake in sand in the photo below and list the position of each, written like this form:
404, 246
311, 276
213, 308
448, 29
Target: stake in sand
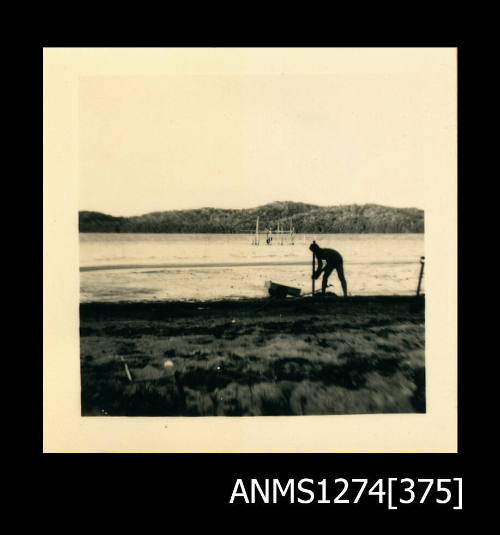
313, 270
127, 371
422, 262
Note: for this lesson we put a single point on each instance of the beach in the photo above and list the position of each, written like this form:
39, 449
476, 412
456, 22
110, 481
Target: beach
253, 356
206, 267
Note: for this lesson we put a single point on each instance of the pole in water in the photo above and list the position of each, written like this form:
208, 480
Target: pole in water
422, 262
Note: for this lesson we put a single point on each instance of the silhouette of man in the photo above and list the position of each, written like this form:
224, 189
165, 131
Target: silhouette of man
333, 260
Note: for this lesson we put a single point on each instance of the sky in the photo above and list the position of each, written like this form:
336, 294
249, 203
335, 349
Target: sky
153, 143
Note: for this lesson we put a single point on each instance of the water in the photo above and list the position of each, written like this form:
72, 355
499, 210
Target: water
143, 267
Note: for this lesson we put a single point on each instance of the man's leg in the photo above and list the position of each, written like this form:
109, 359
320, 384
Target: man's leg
326, 274
340, 273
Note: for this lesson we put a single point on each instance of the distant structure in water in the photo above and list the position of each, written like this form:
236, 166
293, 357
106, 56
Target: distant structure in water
256, 239
280, 231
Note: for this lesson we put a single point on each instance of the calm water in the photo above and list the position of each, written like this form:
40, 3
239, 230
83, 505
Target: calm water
140, 267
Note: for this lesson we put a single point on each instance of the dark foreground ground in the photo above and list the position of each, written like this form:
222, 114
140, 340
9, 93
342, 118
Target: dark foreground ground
253, 357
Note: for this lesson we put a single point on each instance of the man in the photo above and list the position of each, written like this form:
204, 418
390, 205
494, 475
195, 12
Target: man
333, 261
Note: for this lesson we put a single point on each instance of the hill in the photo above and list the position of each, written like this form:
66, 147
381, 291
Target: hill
308, 218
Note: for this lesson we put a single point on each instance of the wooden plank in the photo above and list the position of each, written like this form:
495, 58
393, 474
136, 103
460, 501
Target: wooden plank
290, 290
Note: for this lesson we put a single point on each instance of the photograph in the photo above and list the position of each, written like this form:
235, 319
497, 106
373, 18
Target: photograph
251, 245
250, 250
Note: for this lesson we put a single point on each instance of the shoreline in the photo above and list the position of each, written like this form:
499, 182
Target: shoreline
231, 264
225, 303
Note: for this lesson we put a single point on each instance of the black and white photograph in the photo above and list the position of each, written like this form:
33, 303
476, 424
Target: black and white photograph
252, 233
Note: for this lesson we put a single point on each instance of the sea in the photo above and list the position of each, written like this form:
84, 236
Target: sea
153, 267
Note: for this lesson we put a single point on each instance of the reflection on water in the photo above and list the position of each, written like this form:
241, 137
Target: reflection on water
374, 264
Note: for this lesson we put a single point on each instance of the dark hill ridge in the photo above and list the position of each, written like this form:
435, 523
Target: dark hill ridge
308, 218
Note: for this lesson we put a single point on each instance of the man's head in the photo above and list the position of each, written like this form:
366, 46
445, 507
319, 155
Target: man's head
314, 247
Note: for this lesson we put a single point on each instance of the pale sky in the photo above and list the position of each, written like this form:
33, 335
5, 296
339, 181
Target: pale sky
153, 143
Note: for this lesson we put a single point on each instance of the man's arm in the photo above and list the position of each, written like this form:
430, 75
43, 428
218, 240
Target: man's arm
319, 269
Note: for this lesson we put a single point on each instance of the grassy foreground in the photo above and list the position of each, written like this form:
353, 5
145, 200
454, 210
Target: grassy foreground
253, 357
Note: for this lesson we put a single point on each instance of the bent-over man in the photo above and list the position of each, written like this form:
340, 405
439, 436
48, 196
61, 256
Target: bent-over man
333, 260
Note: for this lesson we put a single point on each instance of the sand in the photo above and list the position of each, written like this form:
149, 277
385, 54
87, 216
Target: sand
253, 357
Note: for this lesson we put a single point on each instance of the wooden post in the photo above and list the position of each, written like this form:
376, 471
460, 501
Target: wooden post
422, 262
314, 269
